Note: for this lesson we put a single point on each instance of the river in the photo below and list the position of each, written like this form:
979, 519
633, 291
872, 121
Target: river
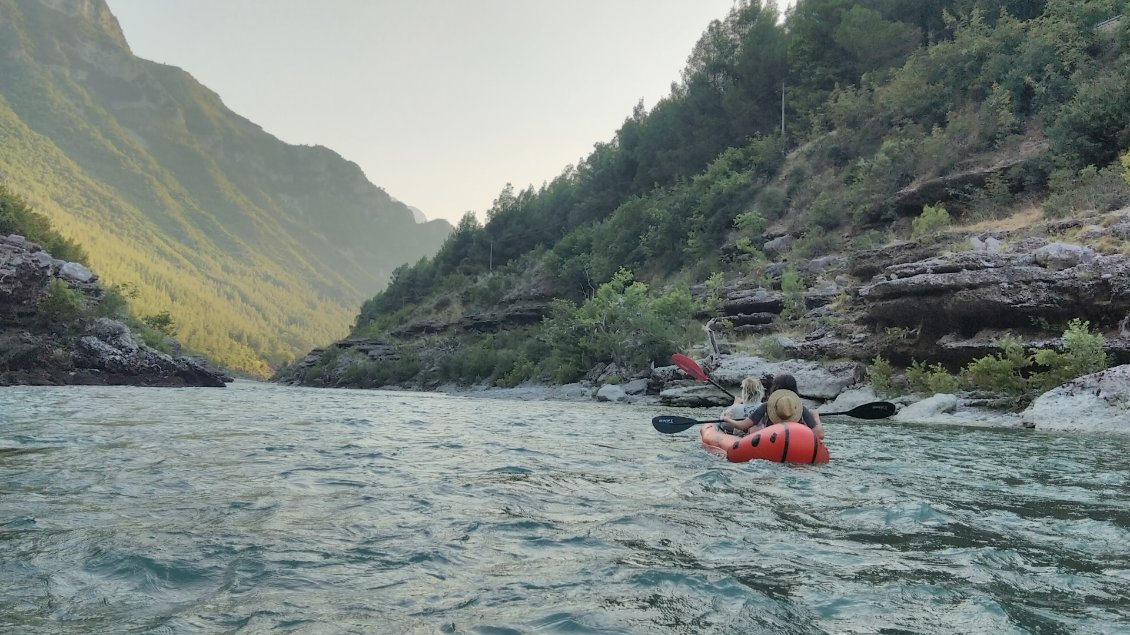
269, 509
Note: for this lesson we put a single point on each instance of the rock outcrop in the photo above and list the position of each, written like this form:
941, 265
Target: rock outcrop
1096, 402
42, 343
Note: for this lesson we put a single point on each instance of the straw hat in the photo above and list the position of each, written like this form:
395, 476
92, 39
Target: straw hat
784, 405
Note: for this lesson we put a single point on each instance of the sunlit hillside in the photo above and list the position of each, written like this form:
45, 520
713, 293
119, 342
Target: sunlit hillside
259, 249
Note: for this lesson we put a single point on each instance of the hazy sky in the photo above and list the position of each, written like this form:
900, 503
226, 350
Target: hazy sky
441, 102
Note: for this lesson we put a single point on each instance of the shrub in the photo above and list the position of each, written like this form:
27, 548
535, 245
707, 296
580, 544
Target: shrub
161, 322
115, 300
792, 286
62, 304
621, 324
930, 379
1082, 354
931, 221
750, 223
1001, 372
827, 212
771, 202
1088, 189
880, 374
712, 303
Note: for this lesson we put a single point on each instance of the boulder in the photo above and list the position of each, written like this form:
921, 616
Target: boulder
1097, 402
816, 380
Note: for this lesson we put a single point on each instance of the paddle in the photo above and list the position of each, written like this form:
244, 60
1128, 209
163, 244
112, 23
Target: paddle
692, 368
670, 424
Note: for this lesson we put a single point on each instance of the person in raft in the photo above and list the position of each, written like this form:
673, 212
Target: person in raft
753, 391
783, 405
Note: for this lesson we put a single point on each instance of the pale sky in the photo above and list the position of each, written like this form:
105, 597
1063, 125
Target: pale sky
441, 102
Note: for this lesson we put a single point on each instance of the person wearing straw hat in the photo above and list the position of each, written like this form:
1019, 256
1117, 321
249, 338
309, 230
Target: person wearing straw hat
784, 404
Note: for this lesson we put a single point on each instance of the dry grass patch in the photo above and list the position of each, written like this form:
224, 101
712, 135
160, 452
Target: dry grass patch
1026, 217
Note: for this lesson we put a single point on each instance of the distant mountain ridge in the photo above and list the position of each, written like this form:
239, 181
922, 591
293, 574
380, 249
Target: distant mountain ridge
259, 249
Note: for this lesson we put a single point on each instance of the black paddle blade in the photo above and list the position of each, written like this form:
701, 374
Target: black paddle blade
670, 424
873, 410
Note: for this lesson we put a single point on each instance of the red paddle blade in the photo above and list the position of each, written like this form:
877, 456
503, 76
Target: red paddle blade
689, 366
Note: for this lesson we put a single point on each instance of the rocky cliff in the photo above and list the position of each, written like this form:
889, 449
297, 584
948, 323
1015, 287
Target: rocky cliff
50, 333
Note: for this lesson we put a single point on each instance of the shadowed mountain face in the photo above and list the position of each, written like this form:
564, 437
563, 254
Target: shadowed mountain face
258, 249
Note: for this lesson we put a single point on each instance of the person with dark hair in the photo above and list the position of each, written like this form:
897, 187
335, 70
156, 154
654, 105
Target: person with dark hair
783, 405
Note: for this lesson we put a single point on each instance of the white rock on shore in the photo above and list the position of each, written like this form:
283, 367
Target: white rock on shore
1096, 402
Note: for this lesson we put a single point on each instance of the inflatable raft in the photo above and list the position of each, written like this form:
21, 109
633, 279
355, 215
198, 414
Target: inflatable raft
782, 443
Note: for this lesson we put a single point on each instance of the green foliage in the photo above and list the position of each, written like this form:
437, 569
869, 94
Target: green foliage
1009, 371
1000, 373
750, 222
522, 370
930, 222
61, 305
152, 338
1082, 354
620, 324
161, 322
712, 303
1126, 166
827, 212
17, 217
932, 379
793, 288
115, 301
1087, 189
880, 374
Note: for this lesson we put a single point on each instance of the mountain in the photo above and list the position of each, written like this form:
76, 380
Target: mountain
905, 130
258, 249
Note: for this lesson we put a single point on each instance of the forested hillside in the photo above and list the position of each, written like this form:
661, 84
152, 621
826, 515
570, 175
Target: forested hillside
833, 126
258, 249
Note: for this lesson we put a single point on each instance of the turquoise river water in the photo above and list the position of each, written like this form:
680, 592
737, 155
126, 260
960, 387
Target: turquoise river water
269, 509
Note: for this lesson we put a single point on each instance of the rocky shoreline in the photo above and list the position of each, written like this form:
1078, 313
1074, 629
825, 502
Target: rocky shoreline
1099, 402
50, 335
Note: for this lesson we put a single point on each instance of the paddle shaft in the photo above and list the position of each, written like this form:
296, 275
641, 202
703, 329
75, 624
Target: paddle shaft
691, 367
670, 424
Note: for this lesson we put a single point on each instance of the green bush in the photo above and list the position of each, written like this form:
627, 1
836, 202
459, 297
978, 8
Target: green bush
1002, 373
1082, 354
521, 370
161, 322
712, 303
793, 288
1103, 190
62, 304
930, 222
827, 212
621, 324
931, 379
115, 301
17, 217
750, 223
880, 374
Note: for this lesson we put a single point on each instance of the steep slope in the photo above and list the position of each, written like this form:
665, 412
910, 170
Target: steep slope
259, 249
899, 117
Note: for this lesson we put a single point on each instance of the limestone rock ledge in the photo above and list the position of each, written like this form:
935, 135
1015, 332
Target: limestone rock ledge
38, 347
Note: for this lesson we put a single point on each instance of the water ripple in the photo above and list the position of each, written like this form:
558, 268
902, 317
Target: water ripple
262, 508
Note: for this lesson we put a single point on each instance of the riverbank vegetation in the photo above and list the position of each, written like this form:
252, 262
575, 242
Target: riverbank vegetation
63, 307
840, 126
1012, 372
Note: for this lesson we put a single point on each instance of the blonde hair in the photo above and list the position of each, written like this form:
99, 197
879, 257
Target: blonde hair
752, 390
